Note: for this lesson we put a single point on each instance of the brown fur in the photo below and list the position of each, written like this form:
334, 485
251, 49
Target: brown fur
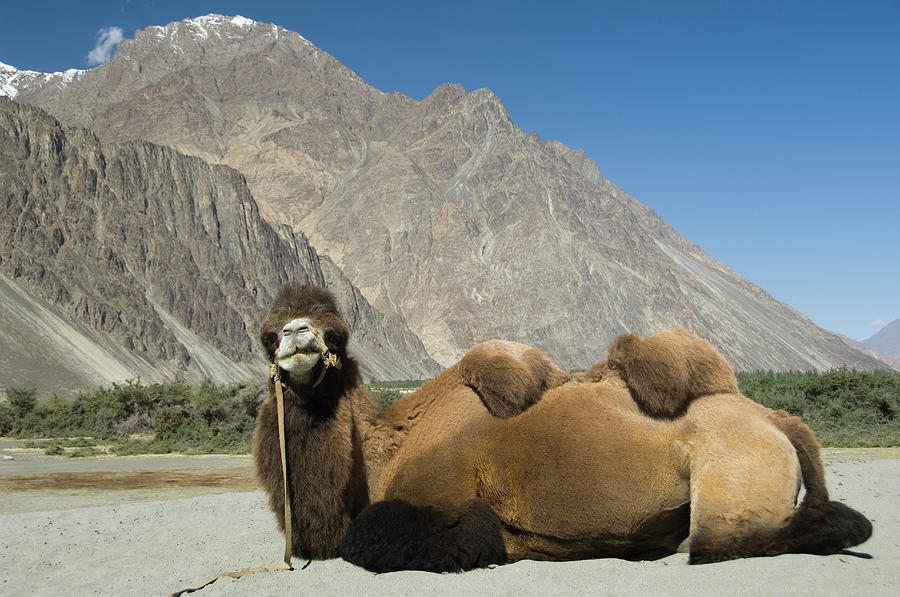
325, 426
580, 472
508, 377
808, 453
668, 370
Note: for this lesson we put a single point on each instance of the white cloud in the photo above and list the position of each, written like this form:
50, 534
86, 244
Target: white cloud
879, 322
107, 40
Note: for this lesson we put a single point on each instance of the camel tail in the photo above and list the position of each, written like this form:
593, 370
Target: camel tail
818, 526
811, 467
395, 535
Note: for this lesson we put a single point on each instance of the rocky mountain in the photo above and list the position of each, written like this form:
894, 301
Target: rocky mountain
133, 260
887, 340
442, 212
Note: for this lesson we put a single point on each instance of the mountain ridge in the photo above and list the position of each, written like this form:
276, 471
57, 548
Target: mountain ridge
886, 340
442, 212
153, 258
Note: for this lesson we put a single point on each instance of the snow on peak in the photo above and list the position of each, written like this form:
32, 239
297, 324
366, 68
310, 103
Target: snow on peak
217, 19
241, 21
217, 26
203, 24
12, 80
8, 76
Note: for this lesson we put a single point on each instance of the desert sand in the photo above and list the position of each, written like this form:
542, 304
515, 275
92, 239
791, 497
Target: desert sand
154, 525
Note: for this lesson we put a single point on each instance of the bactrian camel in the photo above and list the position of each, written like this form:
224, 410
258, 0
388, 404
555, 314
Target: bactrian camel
503, 456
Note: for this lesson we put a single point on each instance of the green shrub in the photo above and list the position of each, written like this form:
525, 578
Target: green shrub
21, 400
385, 397
83, 452
175, 417
386, 392
844, 407
7, 418
54, 450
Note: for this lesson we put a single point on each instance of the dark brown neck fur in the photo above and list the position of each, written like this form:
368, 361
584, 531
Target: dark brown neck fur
327, 474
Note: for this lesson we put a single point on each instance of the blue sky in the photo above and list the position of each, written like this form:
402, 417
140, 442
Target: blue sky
768, 133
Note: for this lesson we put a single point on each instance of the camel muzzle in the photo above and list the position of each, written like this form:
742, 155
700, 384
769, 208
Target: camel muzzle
302, 346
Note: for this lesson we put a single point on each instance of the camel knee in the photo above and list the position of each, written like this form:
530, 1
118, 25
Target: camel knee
395, 535
735, 511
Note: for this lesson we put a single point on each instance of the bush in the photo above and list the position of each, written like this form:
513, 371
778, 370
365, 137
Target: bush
21, 400
844, 407
385, 397
175, 417
386, 392
7, 418
54, 450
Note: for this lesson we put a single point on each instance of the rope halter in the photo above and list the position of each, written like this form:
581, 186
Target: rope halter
329, 359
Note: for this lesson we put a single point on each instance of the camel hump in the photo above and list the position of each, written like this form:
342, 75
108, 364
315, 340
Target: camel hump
508, 376
666, 371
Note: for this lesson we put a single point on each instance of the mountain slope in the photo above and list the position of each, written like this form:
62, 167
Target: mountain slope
137, 254
442, 212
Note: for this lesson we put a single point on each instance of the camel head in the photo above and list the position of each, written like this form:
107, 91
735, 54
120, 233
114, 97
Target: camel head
304, 334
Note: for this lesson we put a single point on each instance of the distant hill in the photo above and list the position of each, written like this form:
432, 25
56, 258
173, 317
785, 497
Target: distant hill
886, 340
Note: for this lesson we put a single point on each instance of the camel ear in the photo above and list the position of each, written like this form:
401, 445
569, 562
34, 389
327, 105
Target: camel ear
508, 376
668, 370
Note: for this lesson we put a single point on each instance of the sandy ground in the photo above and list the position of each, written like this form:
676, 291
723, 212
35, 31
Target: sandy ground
153, 525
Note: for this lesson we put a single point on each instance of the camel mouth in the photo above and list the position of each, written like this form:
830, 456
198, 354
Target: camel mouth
299, 352
299, 361
293, 350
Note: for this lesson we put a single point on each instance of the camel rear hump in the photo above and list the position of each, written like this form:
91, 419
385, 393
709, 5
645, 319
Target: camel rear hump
668, 370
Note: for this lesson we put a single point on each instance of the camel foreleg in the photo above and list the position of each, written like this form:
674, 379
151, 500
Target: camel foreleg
395, 535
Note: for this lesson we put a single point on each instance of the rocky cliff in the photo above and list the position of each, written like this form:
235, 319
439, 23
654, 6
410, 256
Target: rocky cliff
132, 260
442, 212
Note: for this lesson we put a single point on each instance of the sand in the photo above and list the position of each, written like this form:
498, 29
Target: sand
188, 521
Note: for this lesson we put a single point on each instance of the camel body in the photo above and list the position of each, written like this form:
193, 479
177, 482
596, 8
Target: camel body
503, 456
584, 473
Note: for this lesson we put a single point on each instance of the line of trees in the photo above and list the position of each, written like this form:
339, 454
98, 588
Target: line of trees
845, 408
134, 418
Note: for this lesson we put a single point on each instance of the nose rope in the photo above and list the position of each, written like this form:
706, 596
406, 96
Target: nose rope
329, 359
279, 405
288, 526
